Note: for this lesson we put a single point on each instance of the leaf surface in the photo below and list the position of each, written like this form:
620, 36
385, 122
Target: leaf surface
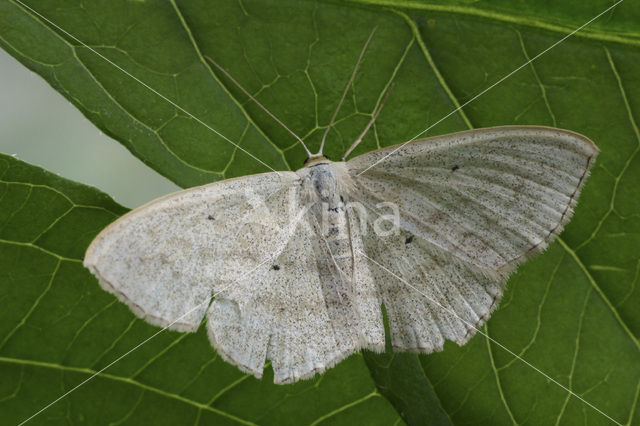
572, 312
58, 328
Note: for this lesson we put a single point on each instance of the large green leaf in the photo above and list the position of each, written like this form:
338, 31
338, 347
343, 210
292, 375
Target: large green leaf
571, 312
58, 327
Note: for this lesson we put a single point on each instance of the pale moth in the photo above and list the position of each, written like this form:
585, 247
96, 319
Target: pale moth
293, 267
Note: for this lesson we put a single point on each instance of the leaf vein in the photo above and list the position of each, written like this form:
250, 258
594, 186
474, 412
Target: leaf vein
164, 350
201, 58
601, 293
127, 380
129, 413
115, 341
436, 71
44, 250
33, 307
228, 388
87, 322
538, 316
543, 90
630, 158
575, 356
343, 408
497, 376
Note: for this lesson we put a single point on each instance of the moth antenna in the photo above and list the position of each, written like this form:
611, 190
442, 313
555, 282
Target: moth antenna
346, 89
369, 124
222, 70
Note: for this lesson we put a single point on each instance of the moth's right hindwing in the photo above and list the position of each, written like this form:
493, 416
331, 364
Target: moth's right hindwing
286, 312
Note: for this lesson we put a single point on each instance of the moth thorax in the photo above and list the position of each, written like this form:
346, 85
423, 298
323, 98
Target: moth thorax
324, 183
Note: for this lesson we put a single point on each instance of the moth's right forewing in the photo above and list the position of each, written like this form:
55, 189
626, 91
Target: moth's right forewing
166, 258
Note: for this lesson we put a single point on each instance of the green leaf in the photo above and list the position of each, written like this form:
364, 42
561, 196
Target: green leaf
58, 328
572, 312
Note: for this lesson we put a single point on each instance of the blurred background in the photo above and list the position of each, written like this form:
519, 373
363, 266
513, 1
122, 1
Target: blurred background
39, 126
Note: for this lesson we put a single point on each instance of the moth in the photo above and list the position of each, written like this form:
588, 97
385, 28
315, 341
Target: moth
294, 267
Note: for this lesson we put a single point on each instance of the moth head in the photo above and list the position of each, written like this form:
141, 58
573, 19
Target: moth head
316, 159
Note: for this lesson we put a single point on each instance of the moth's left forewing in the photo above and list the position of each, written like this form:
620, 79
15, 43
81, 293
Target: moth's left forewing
491, 197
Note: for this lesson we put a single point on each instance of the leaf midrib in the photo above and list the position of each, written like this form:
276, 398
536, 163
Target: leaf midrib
628, 38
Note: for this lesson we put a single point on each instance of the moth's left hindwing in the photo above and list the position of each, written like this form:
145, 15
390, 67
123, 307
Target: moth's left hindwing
471, 206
